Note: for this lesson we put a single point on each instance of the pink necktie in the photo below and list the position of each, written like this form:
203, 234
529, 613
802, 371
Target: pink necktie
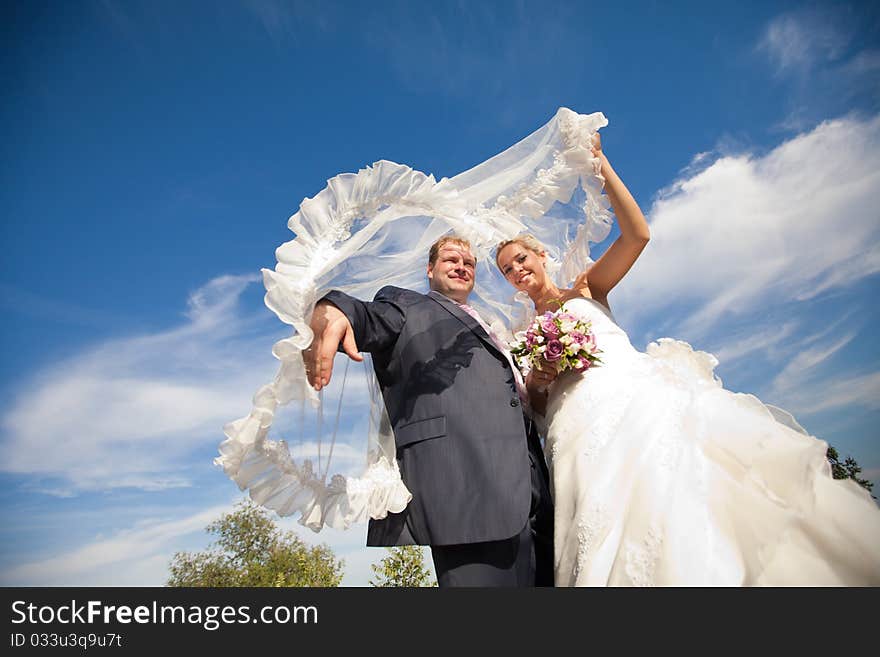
502, 347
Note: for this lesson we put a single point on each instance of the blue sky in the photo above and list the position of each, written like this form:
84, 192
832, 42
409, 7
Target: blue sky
154, 151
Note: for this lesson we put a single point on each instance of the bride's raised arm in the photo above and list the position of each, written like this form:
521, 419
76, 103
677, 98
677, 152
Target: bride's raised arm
611, 267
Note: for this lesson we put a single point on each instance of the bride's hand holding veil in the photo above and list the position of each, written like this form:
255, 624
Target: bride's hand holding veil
617, 260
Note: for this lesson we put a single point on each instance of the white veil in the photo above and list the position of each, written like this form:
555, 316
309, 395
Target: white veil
374, 228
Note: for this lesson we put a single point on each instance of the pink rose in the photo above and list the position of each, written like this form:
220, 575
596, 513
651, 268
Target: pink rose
554, 350
548, 326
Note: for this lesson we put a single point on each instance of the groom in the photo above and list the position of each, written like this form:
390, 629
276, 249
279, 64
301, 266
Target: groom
466, 450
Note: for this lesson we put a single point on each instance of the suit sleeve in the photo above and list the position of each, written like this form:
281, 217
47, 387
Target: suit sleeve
377, 323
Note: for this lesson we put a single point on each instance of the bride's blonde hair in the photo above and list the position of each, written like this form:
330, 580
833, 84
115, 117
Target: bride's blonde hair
525, 240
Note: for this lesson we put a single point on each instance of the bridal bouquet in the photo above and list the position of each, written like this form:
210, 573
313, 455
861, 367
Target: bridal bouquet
558, 338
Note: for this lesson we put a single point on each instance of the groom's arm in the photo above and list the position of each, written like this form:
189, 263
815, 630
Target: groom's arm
376, 324
341, 322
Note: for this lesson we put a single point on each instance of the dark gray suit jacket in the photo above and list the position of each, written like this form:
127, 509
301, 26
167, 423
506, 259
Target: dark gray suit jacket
459, 428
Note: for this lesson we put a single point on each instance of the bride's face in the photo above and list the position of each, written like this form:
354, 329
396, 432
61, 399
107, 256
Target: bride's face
522, 267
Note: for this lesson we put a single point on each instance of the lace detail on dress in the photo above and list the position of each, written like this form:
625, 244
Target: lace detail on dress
669, 446
590, 531
554, 451
670, 453
604, 426
641, 558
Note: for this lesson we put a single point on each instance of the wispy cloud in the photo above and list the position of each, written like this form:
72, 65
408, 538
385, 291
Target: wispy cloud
473, 46
132, 412
797, 41
139, 555
127, 552
135, 556
819, 56
861, 390
287, 21
763, 340
125, 26
127, 412
794, 374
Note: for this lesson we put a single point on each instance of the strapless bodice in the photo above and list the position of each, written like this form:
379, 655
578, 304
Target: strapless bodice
610, 338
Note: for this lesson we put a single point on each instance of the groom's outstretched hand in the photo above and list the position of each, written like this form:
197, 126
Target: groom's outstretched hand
331, 328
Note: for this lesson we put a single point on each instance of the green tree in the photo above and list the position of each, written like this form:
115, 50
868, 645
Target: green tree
251, 551
848, 469
402, 566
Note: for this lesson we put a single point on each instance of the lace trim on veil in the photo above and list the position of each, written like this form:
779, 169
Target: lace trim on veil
373, 228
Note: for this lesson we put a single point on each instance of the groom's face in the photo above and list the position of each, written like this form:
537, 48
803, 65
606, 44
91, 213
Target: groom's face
452, 274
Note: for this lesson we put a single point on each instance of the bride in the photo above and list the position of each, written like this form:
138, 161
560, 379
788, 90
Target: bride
661, 476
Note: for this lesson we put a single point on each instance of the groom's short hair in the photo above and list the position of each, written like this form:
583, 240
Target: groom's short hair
443, 241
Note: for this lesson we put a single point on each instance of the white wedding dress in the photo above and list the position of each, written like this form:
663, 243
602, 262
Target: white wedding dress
662, 477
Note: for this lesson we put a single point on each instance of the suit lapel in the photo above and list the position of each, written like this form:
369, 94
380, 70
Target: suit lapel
465, 319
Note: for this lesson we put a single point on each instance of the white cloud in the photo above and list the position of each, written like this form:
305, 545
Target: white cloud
794, 373
749, 232
861, 390
818, 64
799, 40
137, 556
499, 52
767, 260
289, 20
128, 411
341, 451
756, 341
